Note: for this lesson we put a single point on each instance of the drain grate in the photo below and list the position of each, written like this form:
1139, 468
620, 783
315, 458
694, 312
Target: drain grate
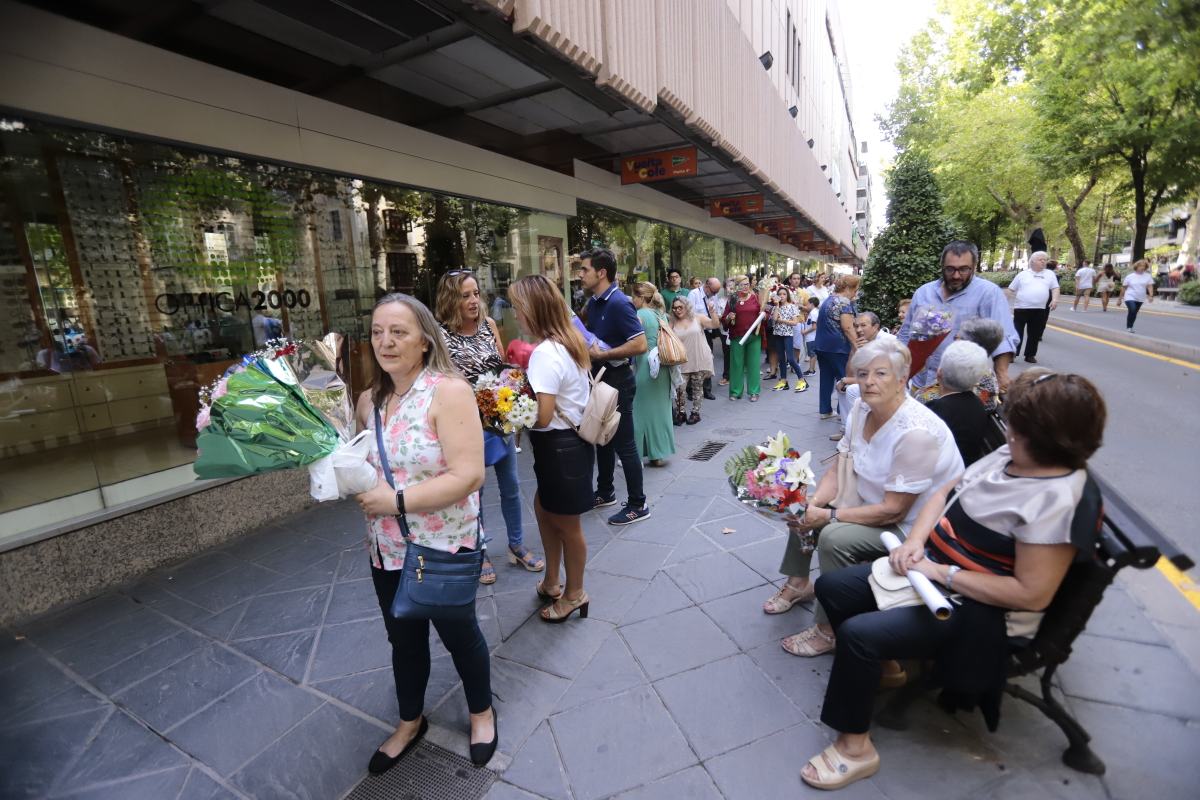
427, 773
706, 451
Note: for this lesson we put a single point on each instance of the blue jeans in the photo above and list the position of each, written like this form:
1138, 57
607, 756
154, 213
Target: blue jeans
786, 354
833, 369
510, 493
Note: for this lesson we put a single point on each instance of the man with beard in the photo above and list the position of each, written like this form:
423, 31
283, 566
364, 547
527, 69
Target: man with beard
966, 298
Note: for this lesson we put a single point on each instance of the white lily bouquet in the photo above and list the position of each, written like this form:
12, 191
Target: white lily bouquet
772, 478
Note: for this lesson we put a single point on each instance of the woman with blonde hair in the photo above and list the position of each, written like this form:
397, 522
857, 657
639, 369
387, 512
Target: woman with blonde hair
836, 340
430, 452
473, 339
562, 461
652, 427
690, 330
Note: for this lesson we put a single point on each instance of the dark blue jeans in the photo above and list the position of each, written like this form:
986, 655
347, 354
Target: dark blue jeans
623, 444
833, 369
785, 354
410, 652
510, 493
1132, 307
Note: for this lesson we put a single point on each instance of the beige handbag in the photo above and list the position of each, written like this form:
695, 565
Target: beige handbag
847, 493
671, 352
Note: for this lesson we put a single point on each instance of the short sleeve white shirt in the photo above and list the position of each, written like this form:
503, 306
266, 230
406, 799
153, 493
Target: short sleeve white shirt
1085, 277
1136, 286
813, 315
913, 453
553, 371
1033, 288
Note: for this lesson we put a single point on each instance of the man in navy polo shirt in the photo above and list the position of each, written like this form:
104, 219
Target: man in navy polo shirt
614, 321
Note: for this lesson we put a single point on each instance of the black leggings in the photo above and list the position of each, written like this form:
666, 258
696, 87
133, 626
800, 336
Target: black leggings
1132, 307
410, 652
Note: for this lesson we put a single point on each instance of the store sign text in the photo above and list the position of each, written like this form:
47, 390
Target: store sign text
173, 302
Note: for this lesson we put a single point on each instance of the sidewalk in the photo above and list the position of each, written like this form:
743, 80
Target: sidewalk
261, 670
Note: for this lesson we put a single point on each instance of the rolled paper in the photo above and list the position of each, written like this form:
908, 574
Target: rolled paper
929, 594
757, 321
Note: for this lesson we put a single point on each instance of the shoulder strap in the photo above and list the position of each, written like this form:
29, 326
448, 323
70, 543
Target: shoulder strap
383, 459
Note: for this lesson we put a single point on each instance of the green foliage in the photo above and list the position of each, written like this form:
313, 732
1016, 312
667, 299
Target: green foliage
1189, 293
1001, 279
740, 463
905, 254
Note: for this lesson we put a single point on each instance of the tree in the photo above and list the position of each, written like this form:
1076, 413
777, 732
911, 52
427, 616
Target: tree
905, 254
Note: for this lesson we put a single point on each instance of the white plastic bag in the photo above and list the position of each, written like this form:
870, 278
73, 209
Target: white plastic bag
322, 481
653, 362
354, 473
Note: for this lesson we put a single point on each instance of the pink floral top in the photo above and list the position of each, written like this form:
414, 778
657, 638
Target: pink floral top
414, 455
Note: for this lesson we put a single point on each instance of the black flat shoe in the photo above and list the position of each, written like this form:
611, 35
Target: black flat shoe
482, 753
381, 762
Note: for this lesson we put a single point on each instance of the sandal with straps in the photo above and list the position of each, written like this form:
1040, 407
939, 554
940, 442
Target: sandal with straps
780, 604
545, 596
524, 556
554, 615
810, 642
835, 770
487, 575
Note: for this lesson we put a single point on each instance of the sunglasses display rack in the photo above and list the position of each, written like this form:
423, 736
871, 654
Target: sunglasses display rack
107, 256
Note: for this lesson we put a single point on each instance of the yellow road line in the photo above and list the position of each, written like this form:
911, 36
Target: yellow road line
1176, 361
1186, 586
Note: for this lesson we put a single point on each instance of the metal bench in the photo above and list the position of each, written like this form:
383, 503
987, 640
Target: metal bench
1126, 539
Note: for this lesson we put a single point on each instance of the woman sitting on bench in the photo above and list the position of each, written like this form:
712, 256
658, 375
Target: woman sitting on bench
1002, 541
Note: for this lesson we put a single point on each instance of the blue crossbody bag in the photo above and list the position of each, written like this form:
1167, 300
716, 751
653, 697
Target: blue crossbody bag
434, 584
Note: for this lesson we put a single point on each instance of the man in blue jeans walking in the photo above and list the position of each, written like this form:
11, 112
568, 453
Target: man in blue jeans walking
614, 321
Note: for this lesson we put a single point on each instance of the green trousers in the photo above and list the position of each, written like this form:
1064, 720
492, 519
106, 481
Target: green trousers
745, 365
841, 544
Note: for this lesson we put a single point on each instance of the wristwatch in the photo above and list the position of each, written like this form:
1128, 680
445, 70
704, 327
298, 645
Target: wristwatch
833, 515
950, 573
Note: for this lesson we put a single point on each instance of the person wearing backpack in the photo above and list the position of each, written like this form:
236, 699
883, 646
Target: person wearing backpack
562, 459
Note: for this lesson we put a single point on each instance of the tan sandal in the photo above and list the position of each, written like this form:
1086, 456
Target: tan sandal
893, 680
835, 770
810, 642
555, 613
779, 604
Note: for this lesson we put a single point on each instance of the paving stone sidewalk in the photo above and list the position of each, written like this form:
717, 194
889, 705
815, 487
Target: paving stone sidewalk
260, 670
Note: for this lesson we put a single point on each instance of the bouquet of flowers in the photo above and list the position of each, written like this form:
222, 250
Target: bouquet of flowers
772, 478
930, 327
505, 401
282, 407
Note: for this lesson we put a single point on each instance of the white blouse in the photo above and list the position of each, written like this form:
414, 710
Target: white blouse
912, 453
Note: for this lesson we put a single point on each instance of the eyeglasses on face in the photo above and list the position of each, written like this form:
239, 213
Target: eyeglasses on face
958, 270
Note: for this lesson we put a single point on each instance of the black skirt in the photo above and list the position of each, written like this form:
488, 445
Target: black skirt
563, 465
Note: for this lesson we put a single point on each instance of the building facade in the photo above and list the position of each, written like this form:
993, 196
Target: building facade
184, 182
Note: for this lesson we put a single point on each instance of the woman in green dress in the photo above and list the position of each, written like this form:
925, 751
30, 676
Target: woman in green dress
652, 426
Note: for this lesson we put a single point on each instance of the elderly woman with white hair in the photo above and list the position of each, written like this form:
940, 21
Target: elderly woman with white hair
963, 366
1035, 295
895, 454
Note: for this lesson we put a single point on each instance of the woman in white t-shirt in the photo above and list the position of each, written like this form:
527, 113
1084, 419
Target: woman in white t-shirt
1139, 288
562, 461
1035, 294
1085, 277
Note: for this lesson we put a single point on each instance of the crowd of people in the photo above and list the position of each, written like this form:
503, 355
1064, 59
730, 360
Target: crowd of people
992, 513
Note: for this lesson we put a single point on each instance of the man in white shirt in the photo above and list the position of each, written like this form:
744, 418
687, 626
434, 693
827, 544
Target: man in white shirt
1085, 279
703, 298
1035, 295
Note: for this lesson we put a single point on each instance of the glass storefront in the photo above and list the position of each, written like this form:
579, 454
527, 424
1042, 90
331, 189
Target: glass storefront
133, 272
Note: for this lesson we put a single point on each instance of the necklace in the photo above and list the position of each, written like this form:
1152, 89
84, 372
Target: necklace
401, 397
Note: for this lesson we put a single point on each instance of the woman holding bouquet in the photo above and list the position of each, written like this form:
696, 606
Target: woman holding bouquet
474, 343
1002, 538
899, 452
559, 373
433, 443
